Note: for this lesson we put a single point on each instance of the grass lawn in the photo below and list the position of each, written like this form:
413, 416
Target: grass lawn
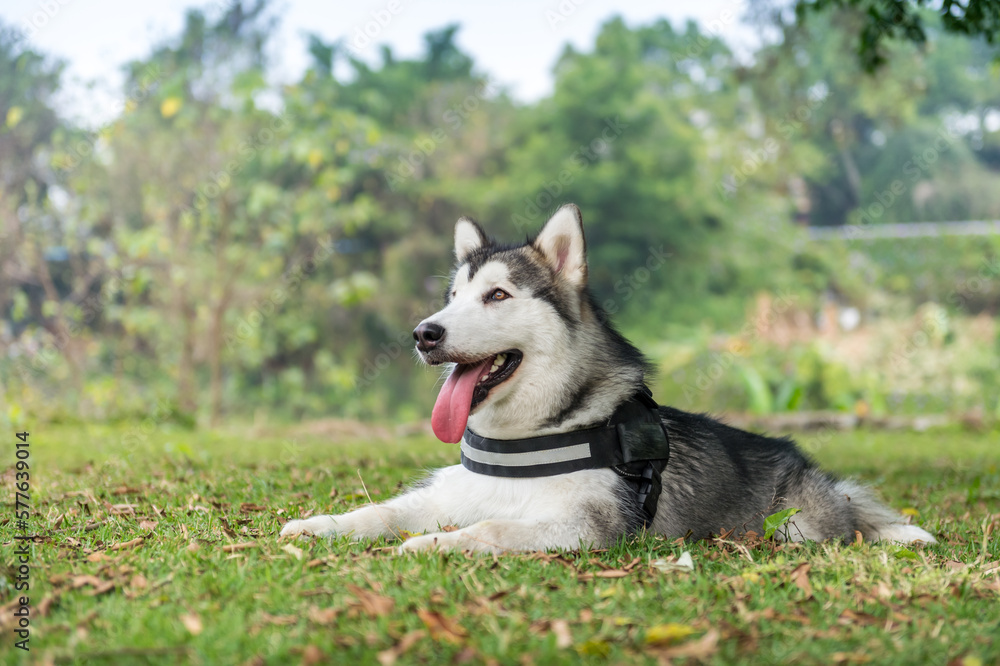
163, 549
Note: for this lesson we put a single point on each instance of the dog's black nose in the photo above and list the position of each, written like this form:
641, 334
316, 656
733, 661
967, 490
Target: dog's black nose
428, 336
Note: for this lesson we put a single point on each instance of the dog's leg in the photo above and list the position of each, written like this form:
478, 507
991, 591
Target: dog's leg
411, 511
497, 536
570, 510
364, 522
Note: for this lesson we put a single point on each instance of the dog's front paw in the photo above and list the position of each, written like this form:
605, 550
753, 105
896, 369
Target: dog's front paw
318, 525
464, 539
436, 540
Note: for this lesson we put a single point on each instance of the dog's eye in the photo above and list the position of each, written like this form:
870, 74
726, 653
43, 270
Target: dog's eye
497, 295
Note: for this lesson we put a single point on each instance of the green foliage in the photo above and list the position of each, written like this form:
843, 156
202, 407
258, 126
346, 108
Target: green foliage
227, 246
778, 520
896, 19
758, 393
883, 145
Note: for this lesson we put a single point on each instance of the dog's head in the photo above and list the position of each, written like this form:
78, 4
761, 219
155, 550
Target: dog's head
511, 318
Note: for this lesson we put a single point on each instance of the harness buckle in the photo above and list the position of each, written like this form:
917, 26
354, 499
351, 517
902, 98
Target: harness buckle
649, 493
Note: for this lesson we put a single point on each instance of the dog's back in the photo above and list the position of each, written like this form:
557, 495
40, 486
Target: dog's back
720, 478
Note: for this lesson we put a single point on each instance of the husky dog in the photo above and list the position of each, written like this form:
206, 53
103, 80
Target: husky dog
533, 355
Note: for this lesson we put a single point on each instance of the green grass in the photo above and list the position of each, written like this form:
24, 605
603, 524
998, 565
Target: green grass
179, 595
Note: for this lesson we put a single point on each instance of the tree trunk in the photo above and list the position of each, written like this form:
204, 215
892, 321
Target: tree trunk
66, 342
216, 337
215, 362
186, 393
850, 167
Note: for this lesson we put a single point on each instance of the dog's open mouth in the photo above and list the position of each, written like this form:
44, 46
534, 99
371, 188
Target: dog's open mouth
468, 385
501, 367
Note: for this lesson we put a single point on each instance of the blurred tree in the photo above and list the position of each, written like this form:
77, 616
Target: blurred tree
399, 147
230, 244
194, 219
640, 133
45, 270
28, 81
876, 145
882, 20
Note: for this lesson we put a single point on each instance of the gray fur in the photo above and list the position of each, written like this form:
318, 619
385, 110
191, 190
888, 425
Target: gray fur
721, 479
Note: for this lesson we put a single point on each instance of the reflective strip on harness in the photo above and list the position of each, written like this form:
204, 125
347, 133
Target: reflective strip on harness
560, 455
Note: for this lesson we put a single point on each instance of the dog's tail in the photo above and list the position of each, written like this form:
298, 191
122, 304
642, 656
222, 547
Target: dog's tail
877, 522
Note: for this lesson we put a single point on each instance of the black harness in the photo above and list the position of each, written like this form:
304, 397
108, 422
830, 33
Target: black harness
634, 443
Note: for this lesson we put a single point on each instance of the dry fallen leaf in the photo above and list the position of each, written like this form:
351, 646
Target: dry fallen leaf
312, 655
469, 655
105, 586
292, 550
611, 573
278, 620
990, 568
563, 636
148, 525
126, 544
703, 648
994, 585
853, 617
46, 605
800, 576
373, 604
233, 547
604, 573
192, 623
389, 657
441, 627
227, 530
684, 563
323, 615
84, 580
849, 658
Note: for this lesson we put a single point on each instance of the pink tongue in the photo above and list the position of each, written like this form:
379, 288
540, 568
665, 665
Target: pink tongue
451, 411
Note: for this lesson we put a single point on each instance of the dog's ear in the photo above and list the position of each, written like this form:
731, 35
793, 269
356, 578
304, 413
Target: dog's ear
562, 243
469, 237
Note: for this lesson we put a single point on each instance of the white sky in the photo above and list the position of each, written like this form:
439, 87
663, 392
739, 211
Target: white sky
513, 41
